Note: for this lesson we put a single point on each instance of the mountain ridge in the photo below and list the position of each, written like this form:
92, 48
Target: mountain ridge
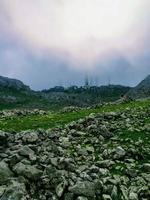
141, 90
13, 83
14, 93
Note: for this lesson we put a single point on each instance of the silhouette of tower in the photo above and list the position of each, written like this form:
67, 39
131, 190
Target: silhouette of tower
86, 81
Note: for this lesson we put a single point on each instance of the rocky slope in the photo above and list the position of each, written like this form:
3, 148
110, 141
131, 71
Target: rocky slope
102, 157
9, 114
84, 96
142, 90
14, 94
12, 83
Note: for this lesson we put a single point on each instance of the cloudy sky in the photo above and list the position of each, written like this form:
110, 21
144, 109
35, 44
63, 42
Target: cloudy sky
58, 42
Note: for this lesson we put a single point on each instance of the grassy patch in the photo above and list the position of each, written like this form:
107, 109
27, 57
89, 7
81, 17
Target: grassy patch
60, 119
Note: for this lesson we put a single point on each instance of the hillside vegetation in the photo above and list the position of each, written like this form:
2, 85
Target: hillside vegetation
84, 96
76, 155
96, 152
57, 119
14, 94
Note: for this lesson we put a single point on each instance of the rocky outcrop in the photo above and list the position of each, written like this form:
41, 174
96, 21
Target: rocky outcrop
142, 90
18, 113
12, 83
87, 160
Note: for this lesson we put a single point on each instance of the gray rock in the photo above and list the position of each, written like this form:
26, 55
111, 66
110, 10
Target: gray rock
146, 167
124, 191
68, 196
12, 83
61, 188
2, 189
86, 189
105, 132
103, 171
5, 172
114, 193
82, 198
106, 197
30, 137
82, 152
133, 196
90, 149
3, 138
120, 152
25, 151
105, 163
66, 164
54, 161
65, 141
31, 172
15, 191
14, 159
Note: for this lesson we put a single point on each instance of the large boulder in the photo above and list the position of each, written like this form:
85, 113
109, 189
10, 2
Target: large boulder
5, 172
30, 137
15, 191
120, 152
85, 188
3, 138
28, 171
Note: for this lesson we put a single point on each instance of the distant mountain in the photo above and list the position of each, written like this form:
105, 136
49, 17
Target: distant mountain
14, 94
6, 82
84, 96
142, 90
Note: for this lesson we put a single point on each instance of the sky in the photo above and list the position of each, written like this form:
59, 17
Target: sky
46, 43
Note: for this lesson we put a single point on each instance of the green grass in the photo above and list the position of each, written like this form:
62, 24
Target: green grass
60, 119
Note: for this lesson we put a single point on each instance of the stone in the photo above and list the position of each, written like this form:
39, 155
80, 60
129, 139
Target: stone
69, 196
2, 189
90, 149
103, 171
146, 167
3, 138
106, 197
84, 188
54, 161
14, 159
29, 171
124, 191
114, 193
120, 152
82, 152
133, 196
105, 132
76, 162
66, 164
30, 137
105, 163
25, 151
82, 198
15, 191
61, 188
5, 172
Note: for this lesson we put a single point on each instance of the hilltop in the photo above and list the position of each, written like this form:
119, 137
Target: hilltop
142, 90
84, 96
15, 94
6, 82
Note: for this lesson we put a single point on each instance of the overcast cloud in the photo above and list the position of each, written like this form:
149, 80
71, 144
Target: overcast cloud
57, 42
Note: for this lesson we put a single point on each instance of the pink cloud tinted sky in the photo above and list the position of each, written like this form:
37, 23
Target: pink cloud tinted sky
76, 37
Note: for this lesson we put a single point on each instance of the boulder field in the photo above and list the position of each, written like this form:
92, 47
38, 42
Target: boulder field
101, 157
